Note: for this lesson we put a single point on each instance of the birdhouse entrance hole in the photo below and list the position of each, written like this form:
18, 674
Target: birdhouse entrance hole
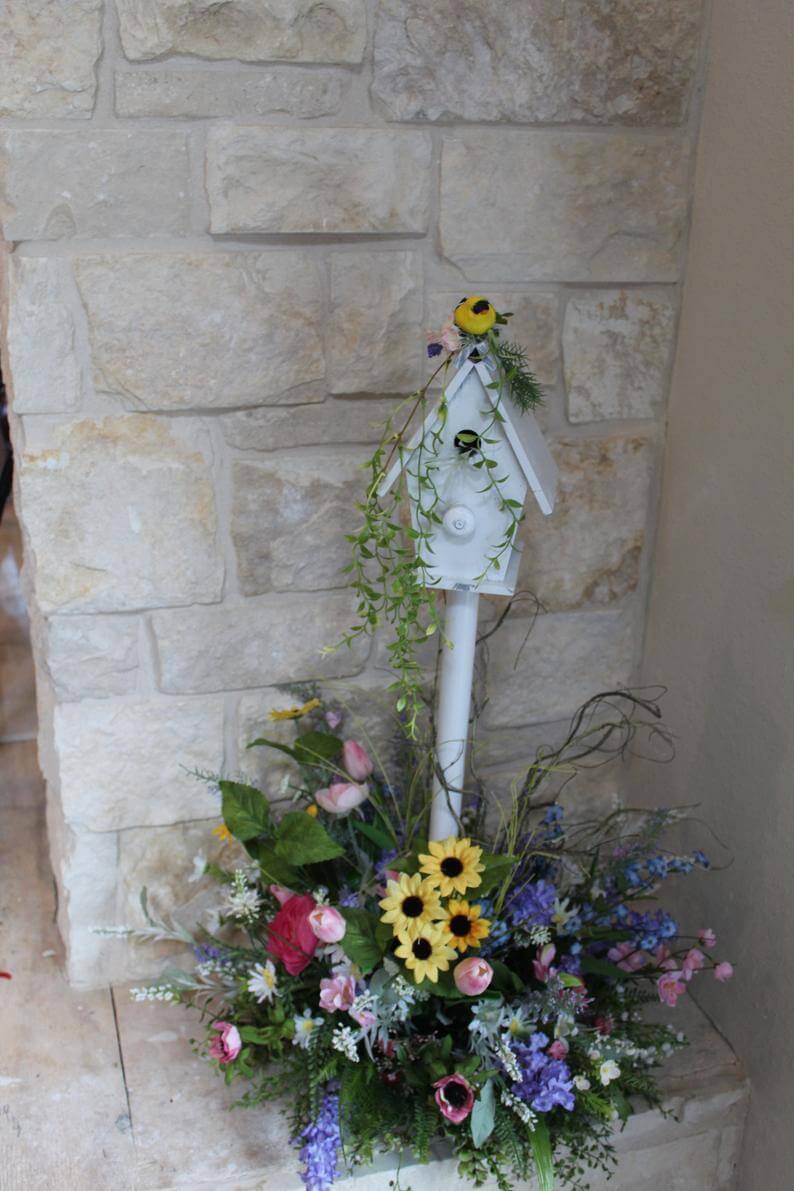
468, 442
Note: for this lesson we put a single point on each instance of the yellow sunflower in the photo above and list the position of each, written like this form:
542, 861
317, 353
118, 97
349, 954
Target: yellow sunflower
295, 713
462, 925
426, 953
410, 903
453, 865
475, 315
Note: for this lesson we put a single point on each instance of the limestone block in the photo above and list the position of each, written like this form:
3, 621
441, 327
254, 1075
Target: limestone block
123, 763
85, 866
588, 551
43, 339
120, 515
268, 641
48, 56
617, 346
171, 331
266, 768
108, 182
536, 220
535, 325
302, 31
290, 515
375, 321
192, 91
583, 62
331, 421
92, 656
567, 658
326, 180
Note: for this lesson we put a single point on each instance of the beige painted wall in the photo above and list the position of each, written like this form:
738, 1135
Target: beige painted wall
721, 624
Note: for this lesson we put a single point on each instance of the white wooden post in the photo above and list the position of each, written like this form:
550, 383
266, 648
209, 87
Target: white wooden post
454, 704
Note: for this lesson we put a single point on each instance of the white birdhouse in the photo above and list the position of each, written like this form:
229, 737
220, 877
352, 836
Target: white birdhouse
463, 464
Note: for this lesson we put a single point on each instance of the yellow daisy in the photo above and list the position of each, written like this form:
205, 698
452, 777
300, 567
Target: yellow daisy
294, 713
453, 865
223, 833
426, 953
462, 926
410, 904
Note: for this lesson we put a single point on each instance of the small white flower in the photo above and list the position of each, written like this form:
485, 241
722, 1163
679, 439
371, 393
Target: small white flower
608, 1071
242, 901
522, 1110
581, 1082
262, 981
306, 1027
199, 865
510, 1062
540, 935
345, 1040
562, 912
320, 895
513, 1023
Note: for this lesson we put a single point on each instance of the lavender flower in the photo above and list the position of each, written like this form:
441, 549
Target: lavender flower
545, 1083
321, 1142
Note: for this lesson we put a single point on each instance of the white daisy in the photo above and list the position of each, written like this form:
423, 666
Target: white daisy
608, 1071
262, 981
306, 1027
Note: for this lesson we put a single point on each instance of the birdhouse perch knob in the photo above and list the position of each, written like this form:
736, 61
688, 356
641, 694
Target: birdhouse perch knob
459, 522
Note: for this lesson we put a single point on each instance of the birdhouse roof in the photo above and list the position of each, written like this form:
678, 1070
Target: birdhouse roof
520, 429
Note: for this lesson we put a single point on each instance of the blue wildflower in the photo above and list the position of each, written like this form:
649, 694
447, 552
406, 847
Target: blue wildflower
533, 904
434, 349
701, 858
545, 1083
321, 1143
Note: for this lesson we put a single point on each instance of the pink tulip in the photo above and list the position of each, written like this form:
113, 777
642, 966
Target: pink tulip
455, 1097
670, 987
542, 965
627, 957
355, 761
340, 798
723, 971
338, 992
693, 962
281, 893
472, 976
328, 924
226, 1047
707, 937
558, 1049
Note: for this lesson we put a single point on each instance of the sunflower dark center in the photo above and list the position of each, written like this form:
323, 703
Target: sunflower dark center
412, 906
460, 925
421, 949
455, 1094
451, 866
481, 306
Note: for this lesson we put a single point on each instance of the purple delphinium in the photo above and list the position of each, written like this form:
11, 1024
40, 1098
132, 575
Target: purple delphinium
350, 899
545, 1083
533, 904
321, 1143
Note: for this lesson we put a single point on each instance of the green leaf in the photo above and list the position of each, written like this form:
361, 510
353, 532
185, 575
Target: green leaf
373, 833
263, 742
317, 748
276, 870
602, 967
496, 869
359, 942
302, 840
245, 810
505, 980
541, 1152
483, 1115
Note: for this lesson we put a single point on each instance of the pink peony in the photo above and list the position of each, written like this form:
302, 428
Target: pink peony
558, 1049
340, 798
693, 962
472, 976
328, 924
226, 1047
670, 987
337, 992
291, 939
281, 893
542, 965
707, 937
723, 971
627, 957
455, 1097
355, 761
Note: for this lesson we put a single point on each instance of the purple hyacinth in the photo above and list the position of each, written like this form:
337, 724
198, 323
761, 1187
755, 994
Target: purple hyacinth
533, 904
321, 1143
545, 1083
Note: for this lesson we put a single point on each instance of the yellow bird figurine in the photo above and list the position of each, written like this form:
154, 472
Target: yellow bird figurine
475, 315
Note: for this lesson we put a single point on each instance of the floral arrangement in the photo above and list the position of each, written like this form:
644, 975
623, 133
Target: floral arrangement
483, 991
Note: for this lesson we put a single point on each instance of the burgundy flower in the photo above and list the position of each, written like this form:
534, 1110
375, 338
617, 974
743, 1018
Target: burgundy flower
292, 940
455, 1097
226, 1047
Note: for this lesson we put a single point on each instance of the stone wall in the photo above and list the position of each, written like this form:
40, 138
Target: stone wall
227, 230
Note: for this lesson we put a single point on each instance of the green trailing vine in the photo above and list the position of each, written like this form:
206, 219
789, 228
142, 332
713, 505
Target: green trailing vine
391, 565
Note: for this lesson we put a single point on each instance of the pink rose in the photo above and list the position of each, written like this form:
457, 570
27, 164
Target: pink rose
455, 1097
542, 965
450, 336
226, 1047
670, 987
693, 962
281, 893
291, 938
328, 924
558, 1049
337, 992
472, 976
340, 798
723, 971
355, 761
627, 956
707, 937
